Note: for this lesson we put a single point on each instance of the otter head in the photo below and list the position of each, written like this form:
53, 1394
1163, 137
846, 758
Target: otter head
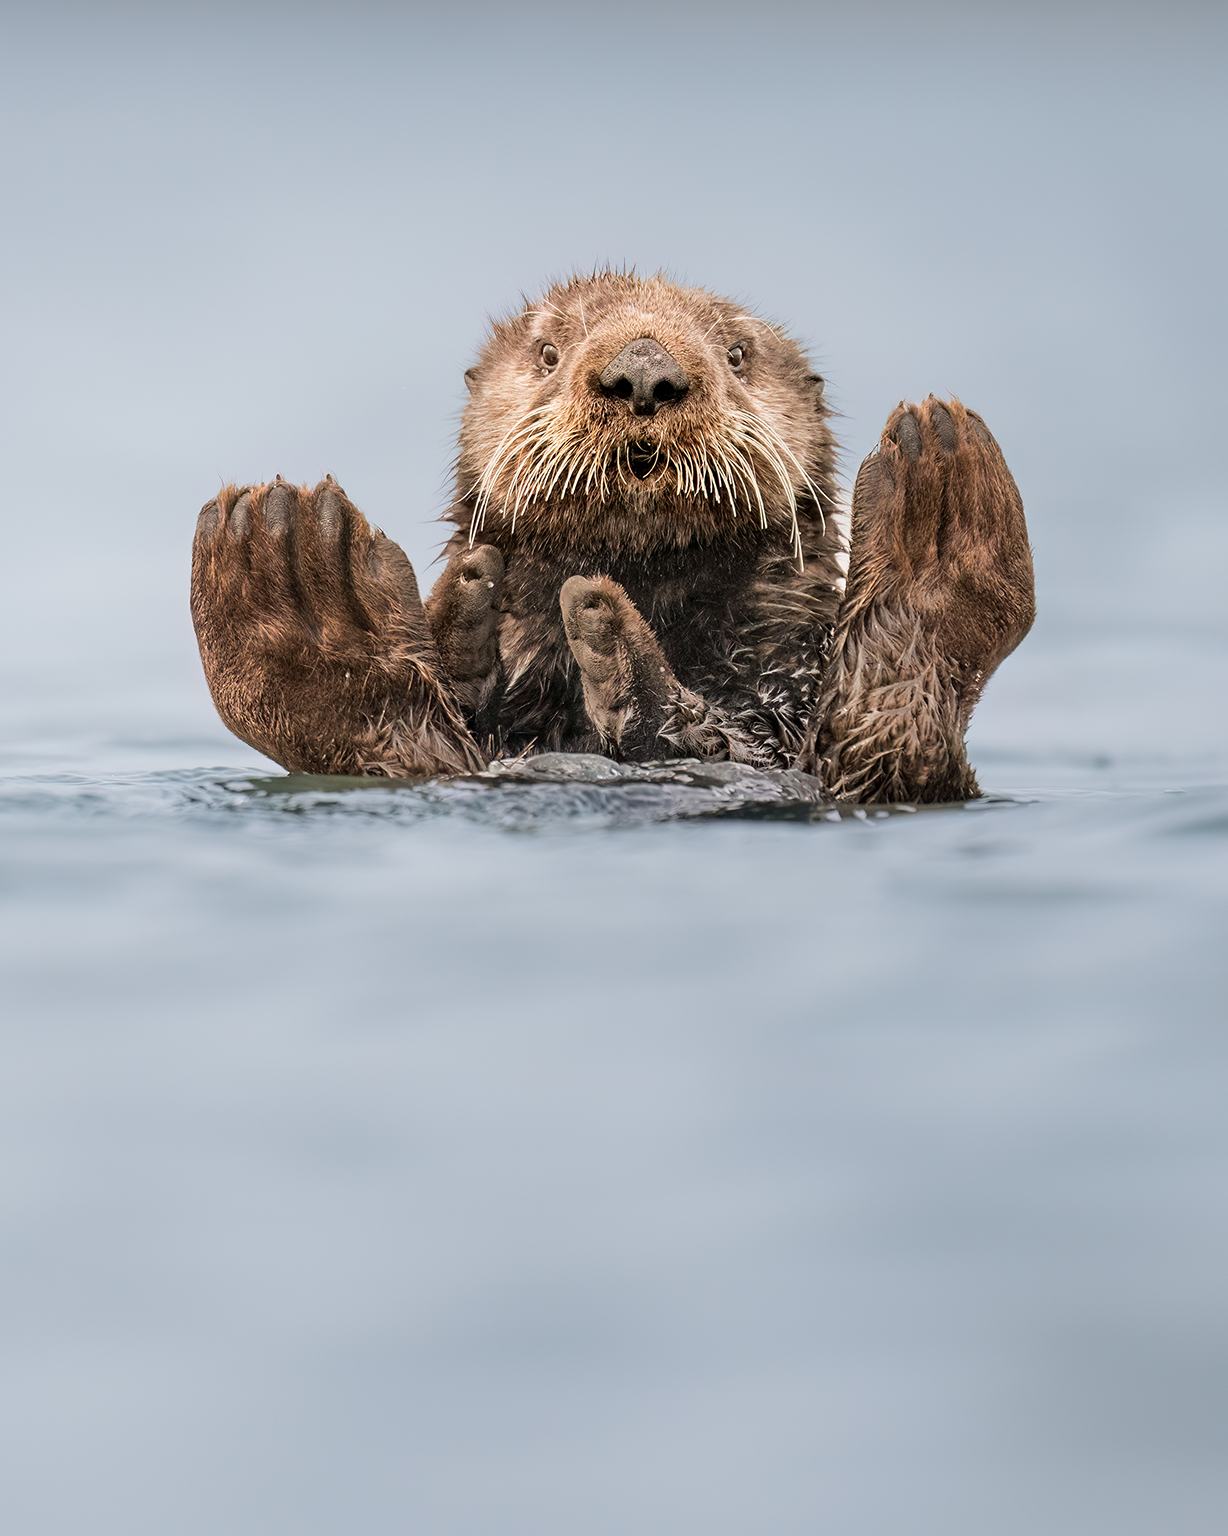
631, 412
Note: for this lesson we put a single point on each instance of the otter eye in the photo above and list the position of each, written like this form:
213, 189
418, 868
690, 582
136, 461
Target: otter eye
549, 355
737, 355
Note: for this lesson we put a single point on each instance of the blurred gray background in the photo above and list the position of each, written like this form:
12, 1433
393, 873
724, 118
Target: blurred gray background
244, 240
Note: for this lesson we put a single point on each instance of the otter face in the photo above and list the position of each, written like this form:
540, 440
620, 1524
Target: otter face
632, 410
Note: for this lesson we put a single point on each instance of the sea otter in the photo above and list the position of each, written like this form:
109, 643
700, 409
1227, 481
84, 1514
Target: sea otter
649, 560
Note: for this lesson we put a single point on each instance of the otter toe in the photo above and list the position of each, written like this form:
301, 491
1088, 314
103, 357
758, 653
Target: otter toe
279, 503
210, 520
905, 432
240, 518
941, 423
976, 425
334, 511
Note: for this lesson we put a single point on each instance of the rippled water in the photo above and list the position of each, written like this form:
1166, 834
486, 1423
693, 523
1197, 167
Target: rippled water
616, 1156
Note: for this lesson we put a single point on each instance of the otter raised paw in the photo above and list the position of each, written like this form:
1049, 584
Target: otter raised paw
463, 610
940, 591
636, 705
314, 641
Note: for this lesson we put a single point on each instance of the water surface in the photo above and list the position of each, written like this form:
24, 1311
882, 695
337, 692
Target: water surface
612, 1157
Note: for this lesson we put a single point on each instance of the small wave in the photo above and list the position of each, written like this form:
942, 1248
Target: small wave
519, 795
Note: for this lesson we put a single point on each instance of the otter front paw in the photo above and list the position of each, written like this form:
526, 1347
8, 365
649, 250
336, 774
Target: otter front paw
314, 642
624, 674
463, 610
938, 527
939, 592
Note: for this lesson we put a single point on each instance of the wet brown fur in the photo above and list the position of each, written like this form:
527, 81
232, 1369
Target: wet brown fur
940, 591
314, 640
698, 611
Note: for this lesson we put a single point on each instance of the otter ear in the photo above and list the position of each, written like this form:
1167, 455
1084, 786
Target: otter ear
471, 379
816, 383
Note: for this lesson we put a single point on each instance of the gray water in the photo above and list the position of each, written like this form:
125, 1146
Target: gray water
623, 1156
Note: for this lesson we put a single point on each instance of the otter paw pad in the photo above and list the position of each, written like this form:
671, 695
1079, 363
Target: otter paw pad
599, 620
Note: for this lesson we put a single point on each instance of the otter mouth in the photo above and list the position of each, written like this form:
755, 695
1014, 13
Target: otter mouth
645, 459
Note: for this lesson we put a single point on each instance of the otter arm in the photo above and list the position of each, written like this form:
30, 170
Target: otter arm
940, 591
634, 702
314, 642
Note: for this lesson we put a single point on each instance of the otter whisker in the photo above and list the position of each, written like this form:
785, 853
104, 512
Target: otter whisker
512, 443
747, 471
513, 491
545, 470
818, 495
784, 449
775, 450
721, 467
512, 495
780, 448
728, 476
761, 322
786, 483
707, 483
739, 448
509, 450
578, 462
542, 467
563, 458
513, 448
767, 449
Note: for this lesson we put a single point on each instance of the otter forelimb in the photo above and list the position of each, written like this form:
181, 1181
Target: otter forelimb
940, 591
314, 641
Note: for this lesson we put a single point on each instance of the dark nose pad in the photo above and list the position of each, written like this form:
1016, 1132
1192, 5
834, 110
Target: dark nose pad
646, 375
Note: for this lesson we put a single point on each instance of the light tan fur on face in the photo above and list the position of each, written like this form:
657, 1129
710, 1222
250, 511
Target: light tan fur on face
543, 452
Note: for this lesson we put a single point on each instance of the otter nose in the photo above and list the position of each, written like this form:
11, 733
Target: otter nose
645, 374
